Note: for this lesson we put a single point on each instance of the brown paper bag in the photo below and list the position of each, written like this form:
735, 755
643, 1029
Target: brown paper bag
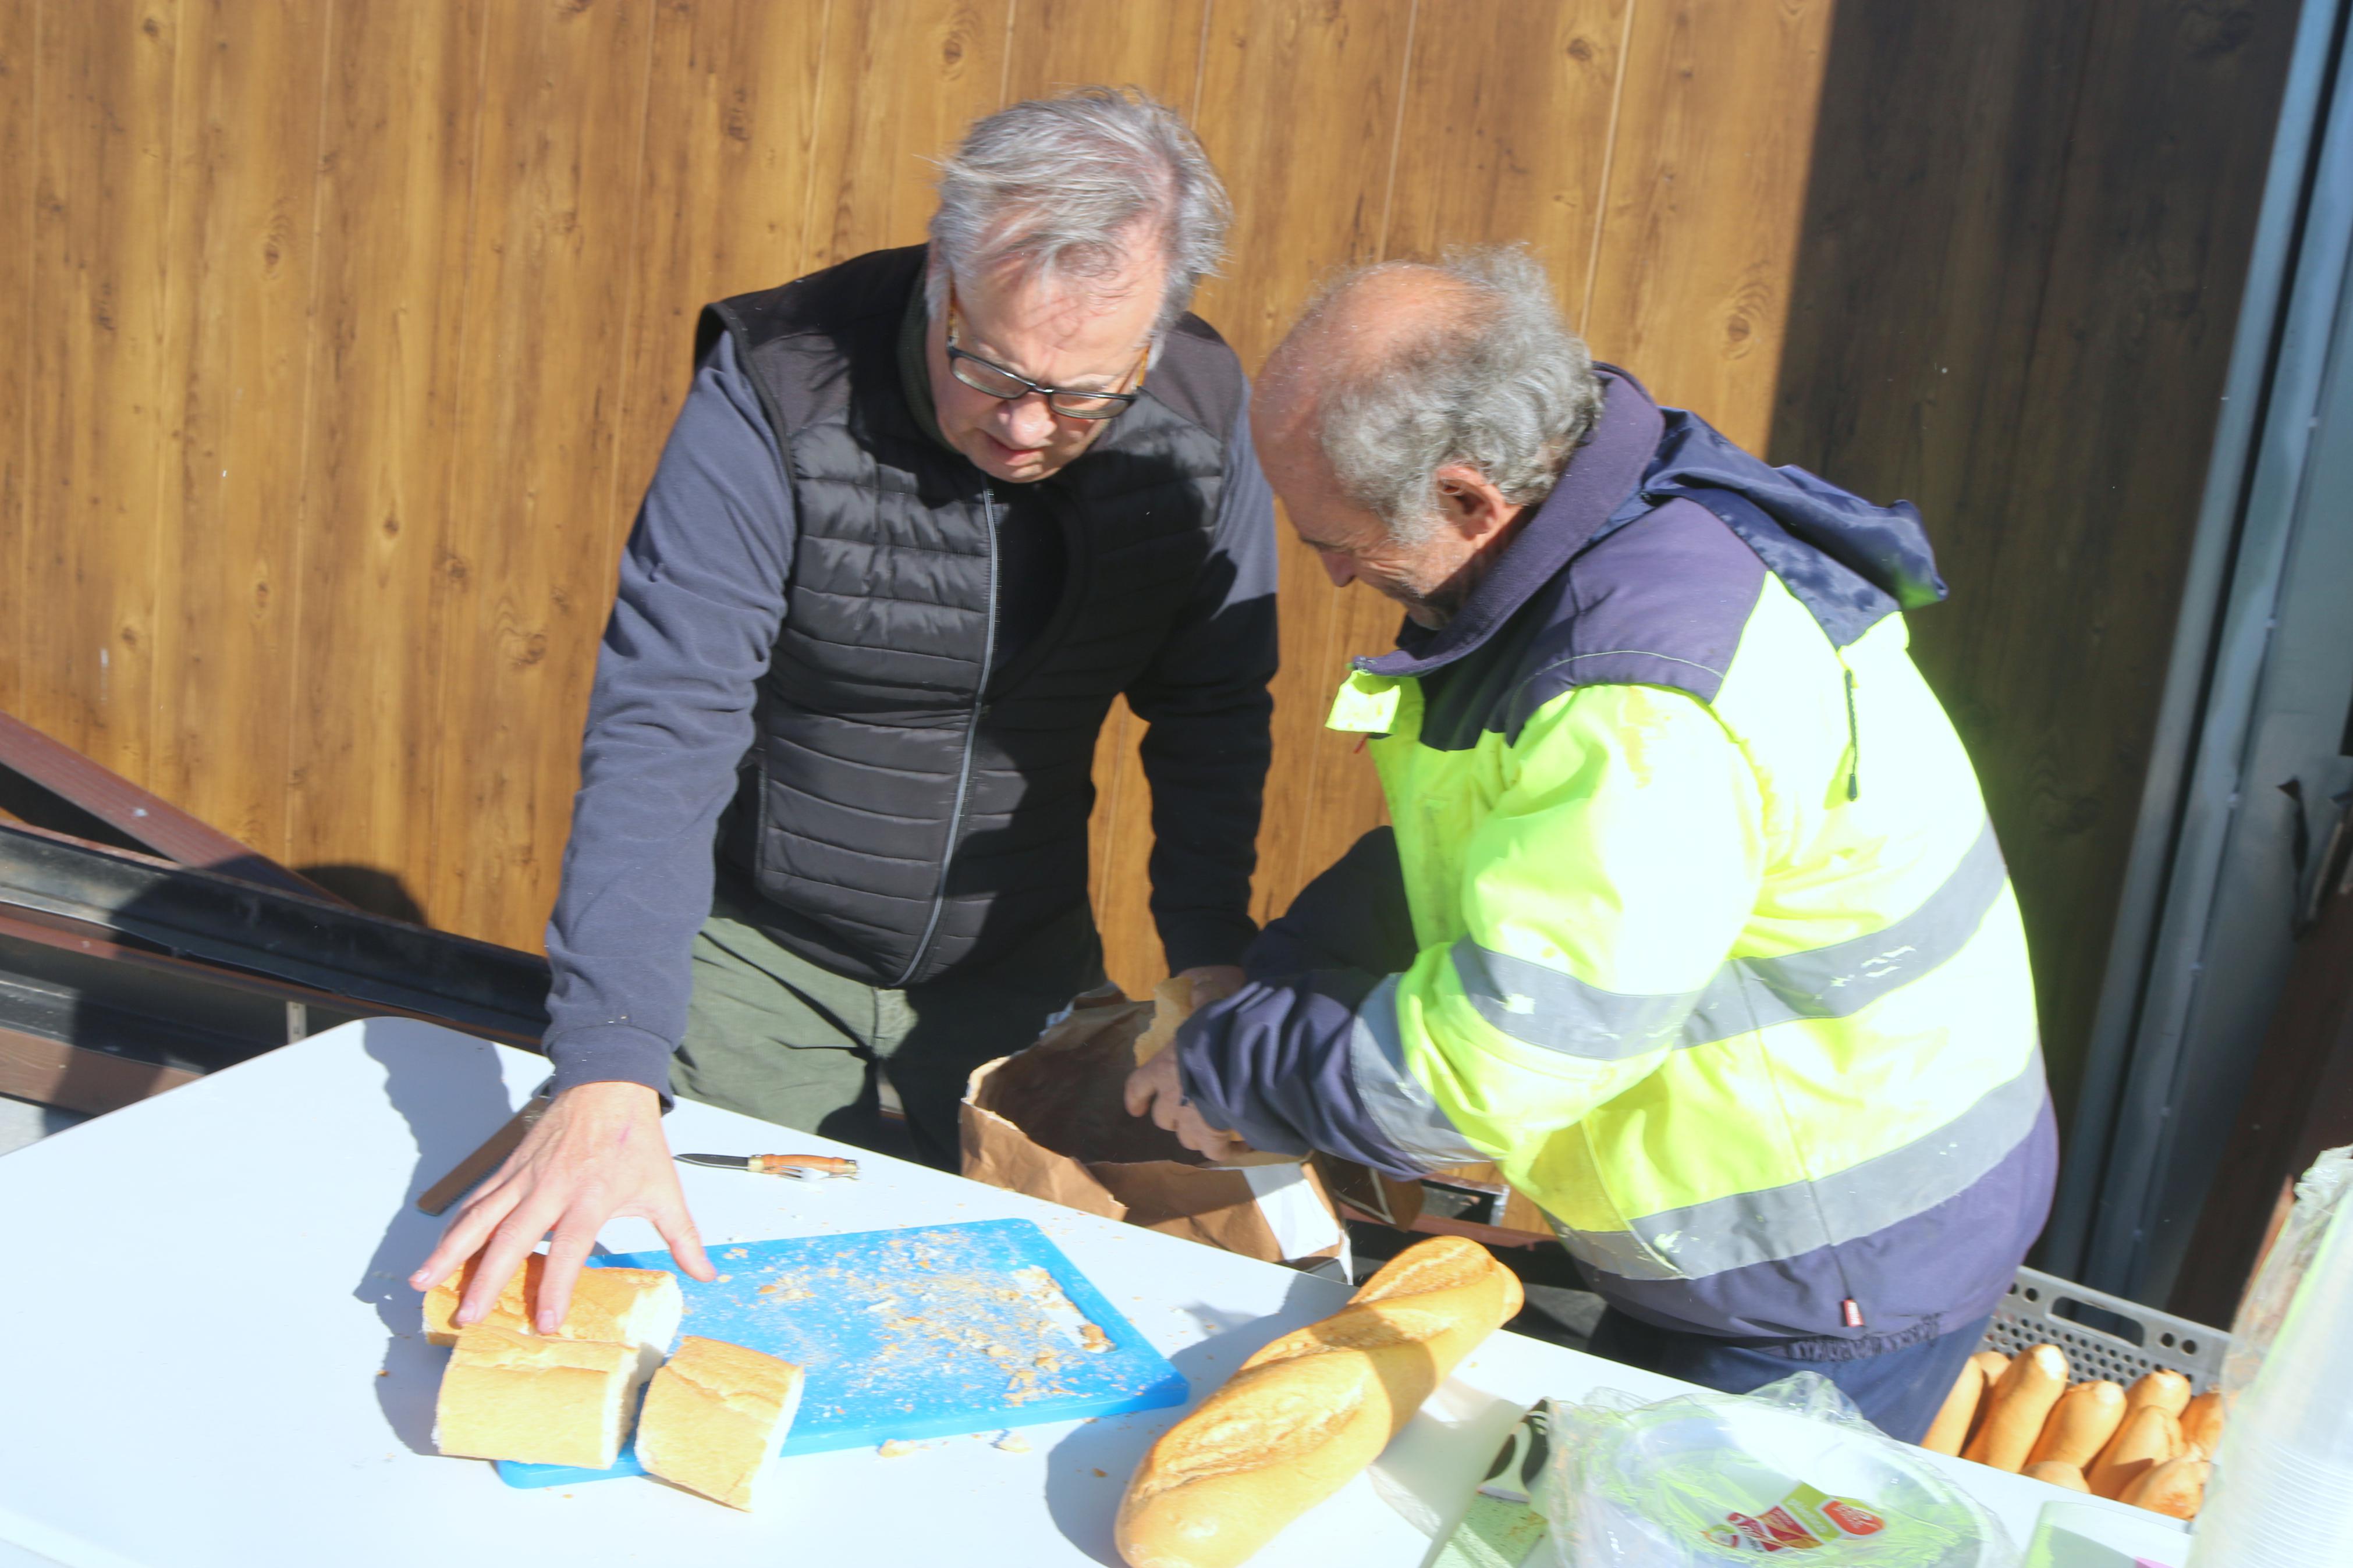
1051, 1121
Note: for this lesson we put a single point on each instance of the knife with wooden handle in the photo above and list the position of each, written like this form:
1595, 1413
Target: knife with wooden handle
438, 1197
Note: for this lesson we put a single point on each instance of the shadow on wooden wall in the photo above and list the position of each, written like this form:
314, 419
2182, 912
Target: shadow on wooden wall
2026, 235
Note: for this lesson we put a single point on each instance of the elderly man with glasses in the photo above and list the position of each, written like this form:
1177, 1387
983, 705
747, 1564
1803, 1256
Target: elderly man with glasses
923, 516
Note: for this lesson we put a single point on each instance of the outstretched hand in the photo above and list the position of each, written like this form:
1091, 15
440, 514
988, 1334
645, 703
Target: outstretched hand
598, 1155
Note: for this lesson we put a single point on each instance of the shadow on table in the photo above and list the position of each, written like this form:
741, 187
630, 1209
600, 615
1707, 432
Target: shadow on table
450, 1090
1087, 1471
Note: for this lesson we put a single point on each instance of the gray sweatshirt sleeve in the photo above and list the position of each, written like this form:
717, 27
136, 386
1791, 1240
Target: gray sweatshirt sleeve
1206, 754
701, 596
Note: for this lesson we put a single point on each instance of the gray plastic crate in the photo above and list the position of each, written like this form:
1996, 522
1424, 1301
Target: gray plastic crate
2042, 1308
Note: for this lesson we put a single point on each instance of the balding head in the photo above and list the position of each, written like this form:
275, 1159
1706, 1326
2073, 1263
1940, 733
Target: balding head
1369, 320
1402, 369
1414, 413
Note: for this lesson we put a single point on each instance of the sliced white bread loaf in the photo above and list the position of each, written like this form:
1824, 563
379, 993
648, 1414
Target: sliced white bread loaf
540, 1400
714, 1417
636, 1307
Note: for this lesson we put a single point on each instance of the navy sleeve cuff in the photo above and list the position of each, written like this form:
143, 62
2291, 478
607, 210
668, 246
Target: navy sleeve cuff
1270, 1064
611, 1053
1193, 941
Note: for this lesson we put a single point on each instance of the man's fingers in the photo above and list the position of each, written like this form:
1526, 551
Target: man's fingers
685, 1243
509, 1245
463, 1237
1137, 1095
566, 1250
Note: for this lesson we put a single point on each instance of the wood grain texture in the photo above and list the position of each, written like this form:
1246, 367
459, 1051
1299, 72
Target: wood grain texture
2012, 304
20, 129
99, 430
1474, 165
909, 76
395, 173
1299, 107
1058, 45
733, 102
236, 363
1707, 182
527, 572
2130, 348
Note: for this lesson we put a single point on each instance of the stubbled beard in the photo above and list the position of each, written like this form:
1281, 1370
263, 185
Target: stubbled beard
1440, 602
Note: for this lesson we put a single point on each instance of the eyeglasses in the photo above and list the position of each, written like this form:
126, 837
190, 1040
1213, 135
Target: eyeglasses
983, 375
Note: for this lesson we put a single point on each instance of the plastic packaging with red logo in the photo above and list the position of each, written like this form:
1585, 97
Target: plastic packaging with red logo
1792, 1473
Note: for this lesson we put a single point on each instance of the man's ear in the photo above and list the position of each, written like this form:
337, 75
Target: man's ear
1472, 504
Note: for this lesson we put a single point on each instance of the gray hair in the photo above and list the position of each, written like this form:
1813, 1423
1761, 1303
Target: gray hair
1495, 382
1060, 184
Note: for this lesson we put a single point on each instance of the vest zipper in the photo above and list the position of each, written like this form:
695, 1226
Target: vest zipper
971, 734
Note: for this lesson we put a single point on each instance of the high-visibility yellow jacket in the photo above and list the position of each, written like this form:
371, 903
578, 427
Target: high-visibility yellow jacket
1707, 941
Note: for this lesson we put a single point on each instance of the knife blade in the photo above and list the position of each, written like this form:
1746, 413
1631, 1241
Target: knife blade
800, 1167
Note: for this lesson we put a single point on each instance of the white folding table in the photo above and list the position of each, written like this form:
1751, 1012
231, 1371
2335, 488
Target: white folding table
209, 1353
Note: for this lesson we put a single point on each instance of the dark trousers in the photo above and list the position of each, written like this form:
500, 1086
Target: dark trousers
1898, 1391
775, 1035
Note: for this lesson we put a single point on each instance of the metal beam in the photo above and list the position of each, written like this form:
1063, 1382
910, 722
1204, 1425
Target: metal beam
149, 819
326, 947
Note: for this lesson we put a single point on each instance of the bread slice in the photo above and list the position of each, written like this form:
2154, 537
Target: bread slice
635, 1307
541, 1400
714, 1417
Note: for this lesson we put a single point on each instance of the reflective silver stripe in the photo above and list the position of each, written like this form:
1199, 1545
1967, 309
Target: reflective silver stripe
1401, 1109
1540, 1007
1748, 1229
1556, 1011
1842, 979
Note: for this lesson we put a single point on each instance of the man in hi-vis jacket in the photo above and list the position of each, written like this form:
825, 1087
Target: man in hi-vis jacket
1691, 919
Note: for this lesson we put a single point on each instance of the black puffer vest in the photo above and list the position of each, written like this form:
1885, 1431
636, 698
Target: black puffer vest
910, 807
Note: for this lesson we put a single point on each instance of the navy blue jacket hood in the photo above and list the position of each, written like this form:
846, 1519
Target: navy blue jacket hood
1852, 562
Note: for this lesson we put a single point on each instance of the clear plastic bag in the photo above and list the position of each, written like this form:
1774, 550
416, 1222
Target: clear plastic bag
2317, 1193
1723, 1480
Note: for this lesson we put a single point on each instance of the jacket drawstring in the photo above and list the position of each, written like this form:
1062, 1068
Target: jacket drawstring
1853, 739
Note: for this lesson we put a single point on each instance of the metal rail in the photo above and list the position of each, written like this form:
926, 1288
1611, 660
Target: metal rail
353, 960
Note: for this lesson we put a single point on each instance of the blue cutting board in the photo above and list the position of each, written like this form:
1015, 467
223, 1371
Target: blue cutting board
931, 1331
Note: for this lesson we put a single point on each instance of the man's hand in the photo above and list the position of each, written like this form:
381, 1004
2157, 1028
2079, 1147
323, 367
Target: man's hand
597, 1154
1155, 1090
1213, 982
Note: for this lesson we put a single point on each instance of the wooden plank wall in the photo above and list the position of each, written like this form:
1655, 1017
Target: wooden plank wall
341, 336
2018, 278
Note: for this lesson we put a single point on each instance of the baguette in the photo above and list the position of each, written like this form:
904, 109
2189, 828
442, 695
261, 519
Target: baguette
635, 1307
2085, 1417
542, 1400
714, 1417
2148, 1438
2201, 1423
2169, 1391
1311, 1409
1950, 1429
2175, 1488
1993, 1364
2021, 1403
1172, 1003
2058, 1474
